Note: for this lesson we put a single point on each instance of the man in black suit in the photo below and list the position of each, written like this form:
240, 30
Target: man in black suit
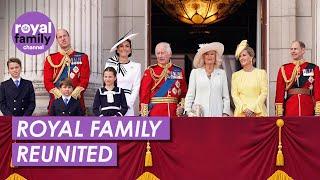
66, 105
17, 96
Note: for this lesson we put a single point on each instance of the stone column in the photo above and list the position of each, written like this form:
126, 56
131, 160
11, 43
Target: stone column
283, 30
3, 37
120, 16
83, 20
290, 20
317, 31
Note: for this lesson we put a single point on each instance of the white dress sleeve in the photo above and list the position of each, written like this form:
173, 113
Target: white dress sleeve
191, 93
135, 85
225, 94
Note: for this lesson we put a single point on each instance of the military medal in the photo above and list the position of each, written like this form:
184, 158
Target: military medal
75, 69
72, 75
174, 90
179, 76
308, 72
177, 84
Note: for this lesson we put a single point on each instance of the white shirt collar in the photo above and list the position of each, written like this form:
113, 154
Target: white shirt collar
13, 79
66, 97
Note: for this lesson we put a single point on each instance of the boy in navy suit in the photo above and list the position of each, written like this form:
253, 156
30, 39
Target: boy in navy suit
17, 96
66, 105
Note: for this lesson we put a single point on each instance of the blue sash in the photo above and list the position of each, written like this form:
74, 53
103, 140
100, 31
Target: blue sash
75, 60
166, 86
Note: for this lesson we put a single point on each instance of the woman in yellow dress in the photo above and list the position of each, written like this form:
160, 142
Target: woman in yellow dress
249, 86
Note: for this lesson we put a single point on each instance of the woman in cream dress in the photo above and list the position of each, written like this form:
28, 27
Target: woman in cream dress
208, 85
249, 86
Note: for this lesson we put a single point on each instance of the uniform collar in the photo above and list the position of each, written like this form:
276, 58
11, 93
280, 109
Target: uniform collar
66, 97
103, 89
165, 66
68, 52
301, 61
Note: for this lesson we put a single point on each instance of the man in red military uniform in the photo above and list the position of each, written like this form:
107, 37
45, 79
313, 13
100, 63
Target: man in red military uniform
66, 63
163, 86
298, 89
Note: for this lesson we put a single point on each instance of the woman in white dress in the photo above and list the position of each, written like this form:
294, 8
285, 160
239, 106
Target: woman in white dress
128, 72
208, 85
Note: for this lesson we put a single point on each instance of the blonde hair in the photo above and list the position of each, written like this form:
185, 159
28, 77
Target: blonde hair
251, 53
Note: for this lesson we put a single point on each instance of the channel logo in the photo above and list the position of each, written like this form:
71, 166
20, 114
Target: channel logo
33, 33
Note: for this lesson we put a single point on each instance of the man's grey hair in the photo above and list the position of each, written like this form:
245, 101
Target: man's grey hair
165, 45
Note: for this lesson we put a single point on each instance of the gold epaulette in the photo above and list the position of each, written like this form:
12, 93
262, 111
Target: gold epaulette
158, 78
279, 109
294, 74
51, 63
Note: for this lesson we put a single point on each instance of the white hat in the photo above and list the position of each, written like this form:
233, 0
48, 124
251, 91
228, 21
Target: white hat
123, 39
241, 47
198, 60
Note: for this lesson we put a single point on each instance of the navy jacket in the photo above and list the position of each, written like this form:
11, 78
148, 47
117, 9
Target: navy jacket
17, 101
102, 107
73, 108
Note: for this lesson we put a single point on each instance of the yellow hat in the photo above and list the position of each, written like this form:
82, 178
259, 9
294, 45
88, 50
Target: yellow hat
241, 47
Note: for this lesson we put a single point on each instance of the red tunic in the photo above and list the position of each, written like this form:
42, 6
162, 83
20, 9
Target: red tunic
167, 105
298, 104
79, 73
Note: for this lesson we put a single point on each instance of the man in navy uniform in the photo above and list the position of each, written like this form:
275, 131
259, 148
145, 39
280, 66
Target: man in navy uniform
66, 105
17, 96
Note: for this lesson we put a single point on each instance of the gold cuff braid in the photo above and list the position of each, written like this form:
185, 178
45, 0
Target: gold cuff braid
56, 92
317, 108
76, 93
144, 109
182, 102
279, 109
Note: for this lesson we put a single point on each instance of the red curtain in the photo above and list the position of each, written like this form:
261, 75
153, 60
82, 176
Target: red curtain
200, 148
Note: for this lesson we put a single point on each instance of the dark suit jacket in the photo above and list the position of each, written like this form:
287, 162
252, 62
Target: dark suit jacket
17, 101
58, 108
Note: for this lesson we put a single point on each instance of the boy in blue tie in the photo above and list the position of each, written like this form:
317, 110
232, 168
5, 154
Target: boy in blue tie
17, 97
66, 105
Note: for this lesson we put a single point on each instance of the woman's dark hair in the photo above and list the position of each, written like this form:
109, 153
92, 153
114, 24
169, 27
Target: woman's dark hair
130, 47
110, 69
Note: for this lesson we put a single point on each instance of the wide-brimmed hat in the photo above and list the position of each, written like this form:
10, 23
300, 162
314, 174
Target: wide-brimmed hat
123, 39
243, 44
198, 60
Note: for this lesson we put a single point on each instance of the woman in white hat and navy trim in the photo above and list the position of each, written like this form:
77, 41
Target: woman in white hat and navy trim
208, 85
128, 72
